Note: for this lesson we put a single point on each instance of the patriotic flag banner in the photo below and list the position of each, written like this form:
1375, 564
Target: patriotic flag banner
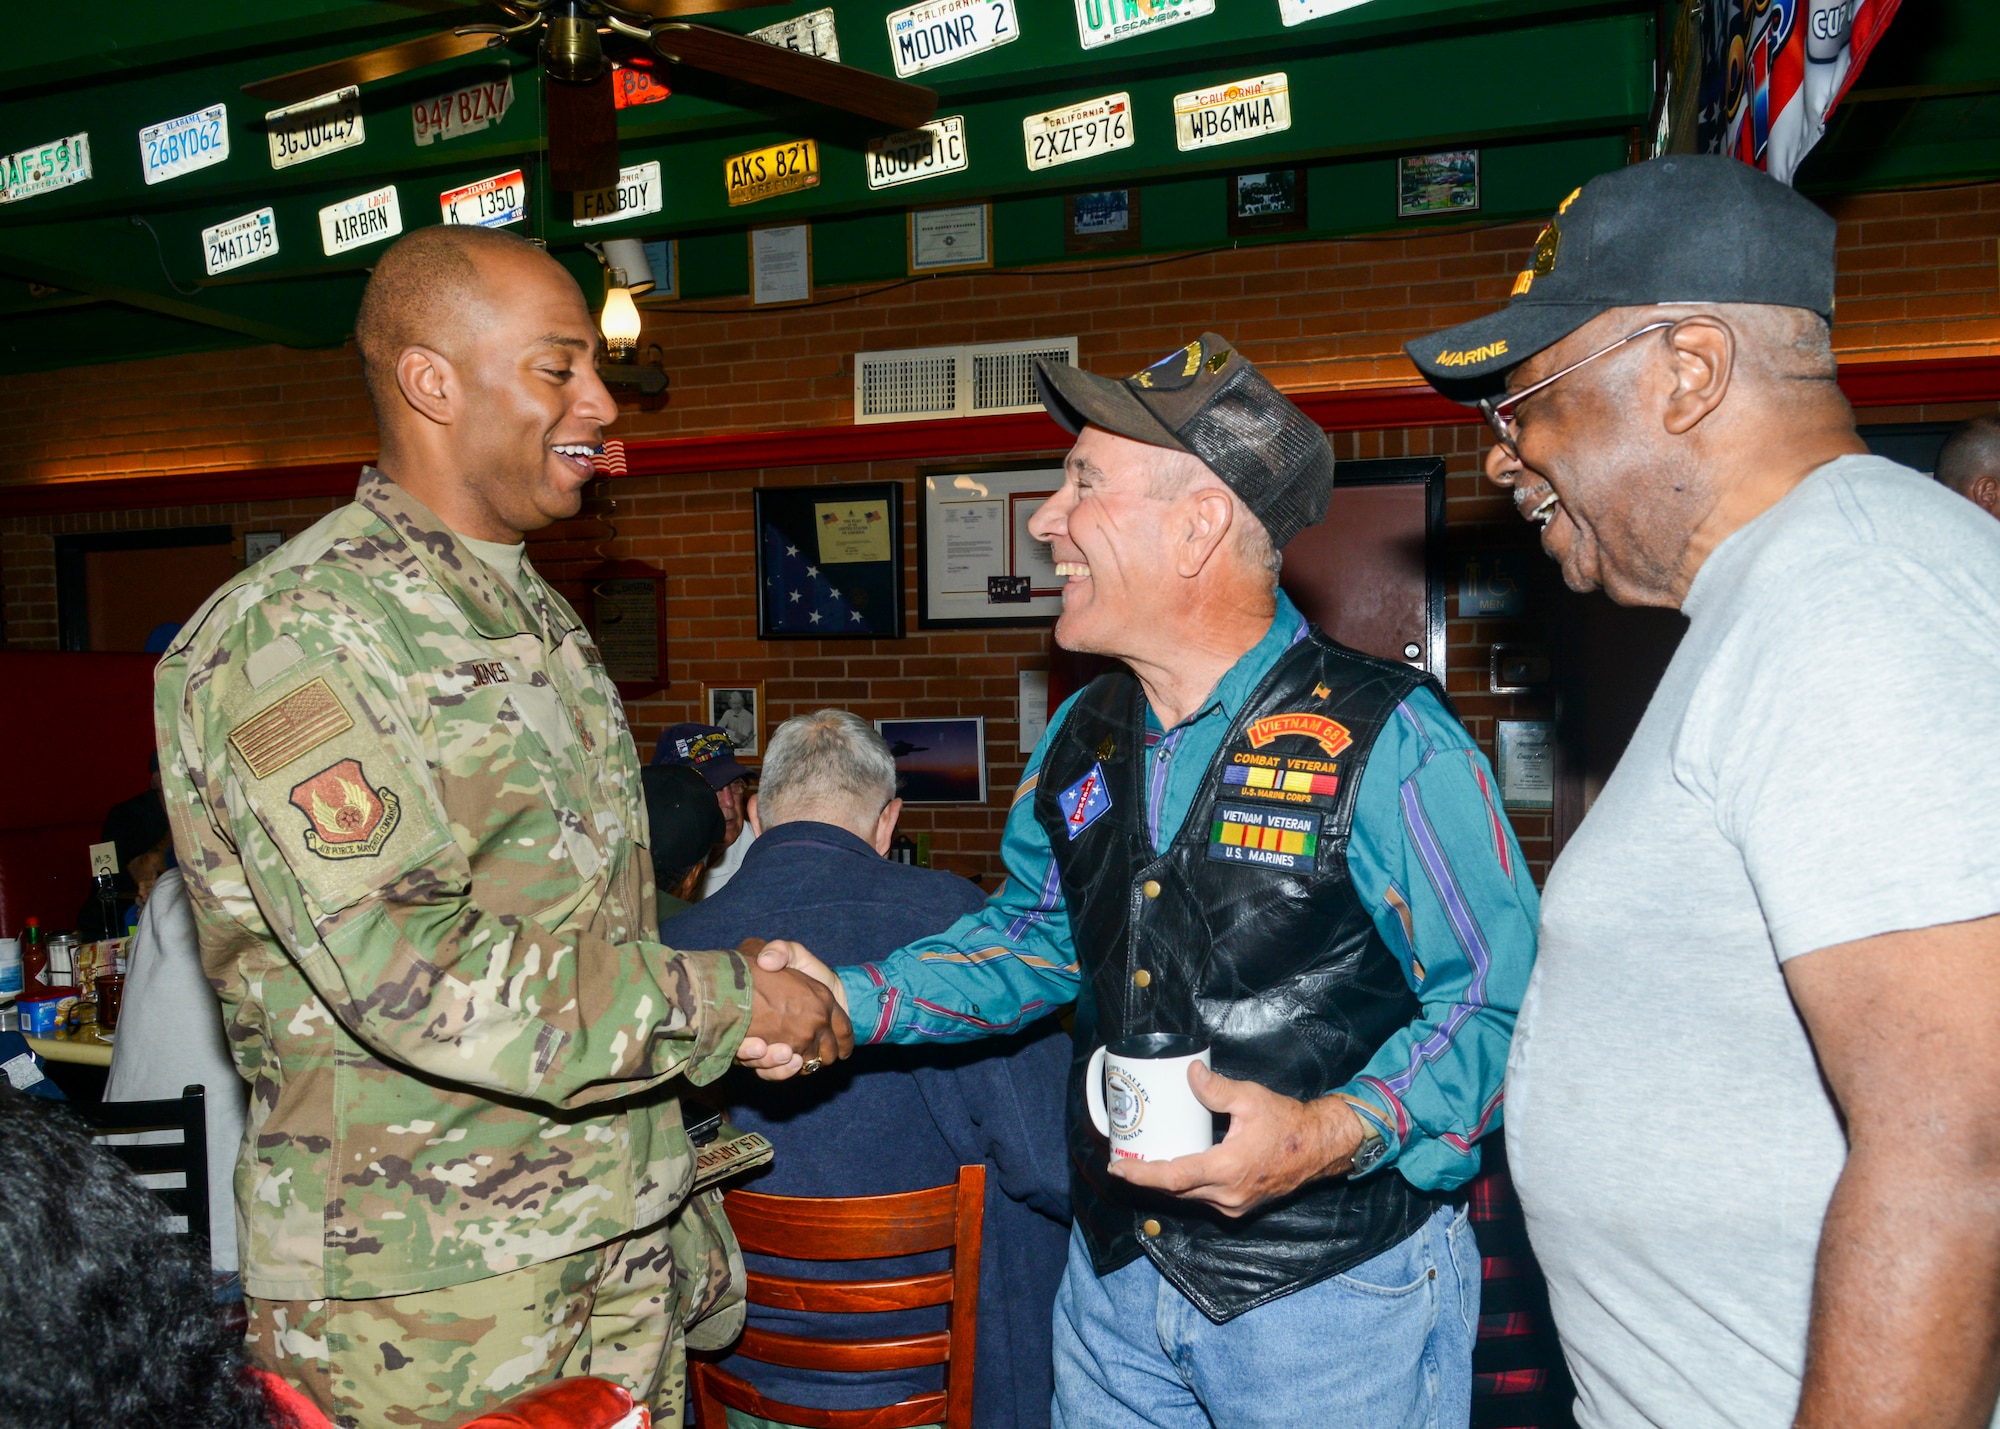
800, 598
610, 461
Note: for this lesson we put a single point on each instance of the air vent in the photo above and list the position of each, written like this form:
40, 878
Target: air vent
923, 383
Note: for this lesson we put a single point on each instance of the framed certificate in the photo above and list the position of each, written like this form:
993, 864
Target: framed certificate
977, 562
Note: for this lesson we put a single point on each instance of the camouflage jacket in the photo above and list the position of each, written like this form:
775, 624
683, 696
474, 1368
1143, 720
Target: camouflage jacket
408, 808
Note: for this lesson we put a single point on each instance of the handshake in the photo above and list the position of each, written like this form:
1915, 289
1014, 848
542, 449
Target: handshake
798, 1012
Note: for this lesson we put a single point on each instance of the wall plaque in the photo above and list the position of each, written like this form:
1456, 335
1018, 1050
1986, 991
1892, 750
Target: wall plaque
626, 610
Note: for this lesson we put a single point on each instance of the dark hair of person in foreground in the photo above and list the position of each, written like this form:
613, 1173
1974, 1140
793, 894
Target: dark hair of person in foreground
108, 1317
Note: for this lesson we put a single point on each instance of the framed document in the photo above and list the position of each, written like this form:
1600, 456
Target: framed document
830, 562
781, 264
977, 563
625, 606
946, 239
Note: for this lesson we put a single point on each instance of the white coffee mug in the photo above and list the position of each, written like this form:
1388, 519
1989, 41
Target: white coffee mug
1140, 1100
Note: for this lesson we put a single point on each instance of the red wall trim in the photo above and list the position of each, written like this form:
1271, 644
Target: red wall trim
1873, 384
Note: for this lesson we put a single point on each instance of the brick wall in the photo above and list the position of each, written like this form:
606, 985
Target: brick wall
1917, 279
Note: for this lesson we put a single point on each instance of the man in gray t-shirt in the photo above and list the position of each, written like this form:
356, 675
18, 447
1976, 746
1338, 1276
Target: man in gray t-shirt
1753, 1102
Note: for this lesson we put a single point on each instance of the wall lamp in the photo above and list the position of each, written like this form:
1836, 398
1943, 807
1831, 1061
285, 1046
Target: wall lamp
627, 272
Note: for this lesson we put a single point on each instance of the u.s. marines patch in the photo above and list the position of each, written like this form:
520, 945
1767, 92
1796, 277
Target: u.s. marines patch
346, 817
1084, 802
290, 728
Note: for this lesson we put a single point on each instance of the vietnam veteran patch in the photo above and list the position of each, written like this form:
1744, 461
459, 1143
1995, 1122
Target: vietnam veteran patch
290, 729
1275, 838
1084, 801
345, 816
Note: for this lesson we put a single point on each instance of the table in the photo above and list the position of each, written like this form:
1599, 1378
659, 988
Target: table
80, 1045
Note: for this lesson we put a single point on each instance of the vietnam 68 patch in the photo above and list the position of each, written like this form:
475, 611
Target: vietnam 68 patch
1275, 838
1085, 801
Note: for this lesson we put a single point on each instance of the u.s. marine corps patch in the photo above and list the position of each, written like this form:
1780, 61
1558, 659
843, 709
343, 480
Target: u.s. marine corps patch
346, 817
290, 728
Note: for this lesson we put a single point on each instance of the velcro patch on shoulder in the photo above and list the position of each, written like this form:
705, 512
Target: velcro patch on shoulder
291, 728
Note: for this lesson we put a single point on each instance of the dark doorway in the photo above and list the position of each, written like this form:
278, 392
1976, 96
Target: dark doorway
114, 589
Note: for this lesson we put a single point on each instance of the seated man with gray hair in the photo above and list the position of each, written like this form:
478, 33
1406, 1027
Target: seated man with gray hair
824, 814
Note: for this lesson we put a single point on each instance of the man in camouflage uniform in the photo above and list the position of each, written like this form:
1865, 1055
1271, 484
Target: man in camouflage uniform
409, 810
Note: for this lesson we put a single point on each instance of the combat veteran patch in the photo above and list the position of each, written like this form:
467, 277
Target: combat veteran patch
1275, 838
345, 816
1281, 780
1331, 735
290, 729
1084, 802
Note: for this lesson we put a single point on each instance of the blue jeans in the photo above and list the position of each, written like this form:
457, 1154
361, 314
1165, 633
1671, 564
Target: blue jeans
1387, 1345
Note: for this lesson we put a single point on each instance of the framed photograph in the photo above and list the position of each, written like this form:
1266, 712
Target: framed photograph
1267, 201
977, 564
830, 561
938, 761
738, 711
945, 240
1428, 184
259, 544
781, 265
1103, 221
663, 256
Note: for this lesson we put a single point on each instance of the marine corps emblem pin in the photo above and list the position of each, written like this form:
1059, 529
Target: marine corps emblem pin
346, 817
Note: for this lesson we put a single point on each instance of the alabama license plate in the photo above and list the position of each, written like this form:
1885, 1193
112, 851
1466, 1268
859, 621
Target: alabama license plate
638, 191
463, 111
180, 146
945, 31
809, 34
490, 203
314, 128
937, 148
46, 166
239, 241
1230, 113
359, 221
1081, 131
766, 173
1105, 22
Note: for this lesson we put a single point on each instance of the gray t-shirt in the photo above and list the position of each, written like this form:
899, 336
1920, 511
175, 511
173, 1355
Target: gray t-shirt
1821, 763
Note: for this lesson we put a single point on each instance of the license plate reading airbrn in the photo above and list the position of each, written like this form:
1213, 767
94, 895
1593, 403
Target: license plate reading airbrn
1081, 131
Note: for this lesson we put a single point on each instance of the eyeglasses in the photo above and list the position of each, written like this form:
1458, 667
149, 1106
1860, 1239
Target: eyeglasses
1500, 415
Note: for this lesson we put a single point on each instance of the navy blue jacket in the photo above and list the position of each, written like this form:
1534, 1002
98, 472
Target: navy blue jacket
900, 1119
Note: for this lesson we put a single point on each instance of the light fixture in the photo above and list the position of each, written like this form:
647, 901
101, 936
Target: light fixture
620, 323
626, 272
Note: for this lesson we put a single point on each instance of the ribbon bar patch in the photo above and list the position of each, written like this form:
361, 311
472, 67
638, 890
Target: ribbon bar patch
290, 729
1275, 838
1281, 781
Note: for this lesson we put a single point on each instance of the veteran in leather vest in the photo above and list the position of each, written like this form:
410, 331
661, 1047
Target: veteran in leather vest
1286, 849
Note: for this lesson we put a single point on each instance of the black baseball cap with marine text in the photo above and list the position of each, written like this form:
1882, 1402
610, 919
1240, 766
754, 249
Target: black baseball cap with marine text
1686, 228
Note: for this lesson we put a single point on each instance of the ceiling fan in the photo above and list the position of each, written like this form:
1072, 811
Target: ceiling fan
582, 116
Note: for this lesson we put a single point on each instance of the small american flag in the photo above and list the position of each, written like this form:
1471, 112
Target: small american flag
610, 461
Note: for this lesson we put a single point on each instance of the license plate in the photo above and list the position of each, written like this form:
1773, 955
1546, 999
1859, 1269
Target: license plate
180, 146
944, 31
463, 111
359, 221
314, 128
239, 241
1081, 131
937, 148
1105, 22
766, 173
810, 34
1230, 113
631, 86
490, 203
45, 167
1297, 12
637, 191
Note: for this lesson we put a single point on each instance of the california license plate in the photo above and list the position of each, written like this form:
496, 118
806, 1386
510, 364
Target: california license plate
463, 111
638, 191
239, 241
809, 34
766, 173
1230, 113
314, 128
180, 146
490, 203
945, 31
359, 221
45, 167
937, 148
1105, 22
1081, 131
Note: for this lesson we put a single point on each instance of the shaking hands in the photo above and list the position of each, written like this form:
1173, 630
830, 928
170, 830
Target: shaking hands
798, 1013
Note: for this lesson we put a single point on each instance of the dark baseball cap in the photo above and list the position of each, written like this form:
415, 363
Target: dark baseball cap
704, 747
681, 813
1688, 228
1208, 400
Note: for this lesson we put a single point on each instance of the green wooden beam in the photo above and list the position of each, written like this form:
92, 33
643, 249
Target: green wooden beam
43, 342
1906, 144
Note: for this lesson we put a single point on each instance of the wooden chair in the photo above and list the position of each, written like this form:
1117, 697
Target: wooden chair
185, 1115
858, 1228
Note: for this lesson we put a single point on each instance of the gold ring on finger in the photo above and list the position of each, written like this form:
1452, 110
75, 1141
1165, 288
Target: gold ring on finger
813, 1064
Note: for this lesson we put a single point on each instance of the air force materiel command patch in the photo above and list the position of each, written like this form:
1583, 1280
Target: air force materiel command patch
290, 729
1275, 838
345, 816
1084, 801
1330, 735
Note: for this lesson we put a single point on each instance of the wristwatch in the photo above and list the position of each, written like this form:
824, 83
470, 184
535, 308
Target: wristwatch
1369, 1154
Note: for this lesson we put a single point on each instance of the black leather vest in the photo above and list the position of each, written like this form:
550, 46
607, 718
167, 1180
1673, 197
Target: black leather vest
1251, 937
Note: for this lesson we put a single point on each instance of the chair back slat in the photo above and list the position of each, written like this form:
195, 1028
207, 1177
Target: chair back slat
724, 1388
186, 1114
910, 1292
804, 1352
851, 1228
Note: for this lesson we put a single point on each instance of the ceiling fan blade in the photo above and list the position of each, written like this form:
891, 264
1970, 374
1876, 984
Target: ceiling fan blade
838, 86
370, 65
583, 134
683, 9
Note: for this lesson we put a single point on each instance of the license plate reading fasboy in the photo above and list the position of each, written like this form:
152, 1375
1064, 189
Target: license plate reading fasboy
490, 203
239, 241
180, 146
1082, 131
637, 192
942, 31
